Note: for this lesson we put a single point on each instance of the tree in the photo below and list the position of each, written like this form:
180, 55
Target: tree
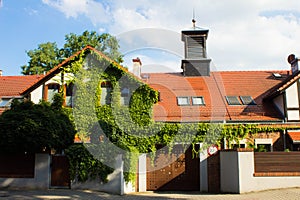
42, 59
29, 127
48, 55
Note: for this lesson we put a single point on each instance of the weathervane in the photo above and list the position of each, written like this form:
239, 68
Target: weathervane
193, 20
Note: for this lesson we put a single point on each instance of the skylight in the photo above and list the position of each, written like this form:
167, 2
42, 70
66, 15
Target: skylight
233, 100
183, 101
198, 101
247, 100
277, 75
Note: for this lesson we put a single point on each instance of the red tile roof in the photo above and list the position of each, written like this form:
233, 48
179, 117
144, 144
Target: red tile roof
12, 86
15, 85
214, 88
294, 135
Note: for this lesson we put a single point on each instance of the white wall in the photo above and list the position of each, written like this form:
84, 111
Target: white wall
37, 95
292, 100
247, 182
41, 178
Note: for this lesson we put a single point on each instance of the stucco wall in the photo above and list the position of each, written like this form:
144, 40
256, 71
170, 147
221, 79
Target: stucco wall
241, 164
37, 95
115, 184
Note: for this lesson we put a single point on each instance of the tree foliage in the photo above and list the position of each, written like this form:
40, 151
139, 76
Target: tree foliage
48, 55
42, 59
29, 127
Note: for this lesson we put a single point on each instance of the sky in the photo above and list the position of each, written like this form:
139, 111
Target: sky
243, 35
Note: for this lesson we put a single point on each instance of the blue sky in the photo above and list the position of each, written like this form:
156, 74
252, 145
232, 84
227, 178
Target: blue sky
244, 35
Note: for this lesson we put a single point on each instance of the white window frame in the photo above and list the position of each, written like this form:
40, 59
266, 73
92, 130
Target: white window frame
198, 104
179, 103
267, 141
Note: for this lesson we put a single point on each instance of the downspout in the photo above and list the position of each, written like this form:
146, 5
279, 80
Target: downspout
224, 102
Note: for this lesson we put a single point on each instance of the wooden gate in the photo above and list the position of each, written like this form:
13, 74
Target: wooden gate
60, 177
213, 173
181, 175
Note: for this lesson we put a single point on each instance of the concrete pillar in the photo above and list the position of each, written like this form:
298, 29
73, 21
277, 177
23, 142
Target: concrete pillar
142, 173
229, 171
203, 170
42, 171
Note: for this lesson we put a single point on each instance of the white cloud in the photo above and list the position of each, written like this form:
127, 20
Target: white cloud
95, 11
244, 35
31, 11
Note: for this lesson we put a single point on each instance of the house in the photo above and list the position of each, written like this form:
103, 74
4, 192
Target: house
12, 87
267, 98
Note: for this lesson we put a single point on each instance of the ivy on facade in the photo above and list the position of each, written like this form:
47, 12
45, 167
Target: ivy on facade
131, 127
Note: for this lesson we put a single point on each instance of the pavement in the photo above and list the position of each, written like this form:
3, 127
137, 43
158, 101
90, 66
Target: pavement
54, 194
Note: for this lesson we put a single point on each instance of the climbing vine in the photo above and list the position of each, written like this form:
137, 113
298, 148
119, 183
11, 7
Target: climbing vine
131, 127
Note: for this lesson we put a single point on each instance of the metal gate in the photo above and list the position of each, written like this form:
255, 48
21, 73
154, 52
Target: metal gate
60, 177
181, 175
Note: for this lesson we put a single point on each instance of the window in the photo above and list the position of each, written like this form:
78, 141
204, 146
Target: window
183, 101
106, 89
198, 101
247, 100
233, 100
52, 90
5, 102
262, 145
125, 96
69, 94
125, 92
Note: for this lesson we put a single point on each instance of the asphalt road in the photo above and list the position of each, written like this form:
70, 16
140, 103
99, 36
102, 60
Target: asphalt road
282, 194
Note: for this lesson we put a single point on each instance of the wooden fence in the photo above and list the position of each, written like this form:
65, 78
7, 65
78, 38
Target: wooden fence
277, 163
17, 165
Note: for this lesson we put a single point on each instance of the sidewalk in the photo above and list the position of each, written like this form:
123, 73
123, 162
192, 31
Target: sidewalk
281, 194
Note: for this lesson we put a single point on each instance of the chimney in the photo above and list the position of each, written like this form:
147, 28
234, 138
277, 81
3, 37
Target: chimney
293, 60
137, 64
1, 72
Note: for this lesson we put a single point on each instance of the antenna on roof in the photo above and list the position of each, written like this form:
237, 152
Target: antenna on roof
193, 20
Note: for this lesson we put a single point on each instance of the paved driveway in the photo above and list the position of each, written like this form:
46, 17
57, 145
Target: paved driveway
282, 194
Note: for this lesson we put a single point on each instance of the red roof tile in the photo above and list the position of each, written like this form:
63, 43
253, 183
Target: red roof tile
14, 85
214, 88
294, 135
